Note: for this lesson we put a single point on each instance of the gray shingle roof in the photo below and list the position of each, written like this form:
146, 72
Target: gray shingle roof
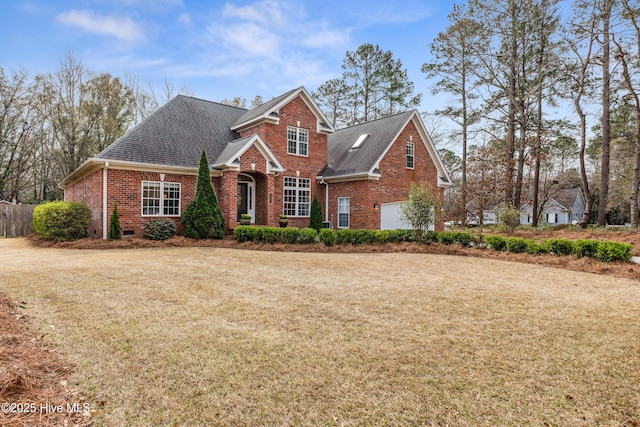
566, 197
176, 134
261, 110
343, 160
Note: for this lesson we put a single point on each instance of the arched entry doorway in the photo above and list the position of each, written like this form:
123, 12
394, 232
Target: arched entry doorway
246, 196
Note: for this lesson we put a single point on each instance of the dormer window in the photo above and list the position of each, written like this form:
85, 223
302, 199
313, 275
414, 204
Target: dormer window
297, 141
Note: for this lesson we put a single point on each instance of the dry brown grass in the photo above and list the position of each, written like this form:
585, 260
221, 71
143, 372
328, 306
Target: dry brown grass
217, 336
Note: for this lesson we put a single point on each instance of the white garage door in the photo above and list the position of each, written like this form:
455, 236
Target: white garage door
391, 217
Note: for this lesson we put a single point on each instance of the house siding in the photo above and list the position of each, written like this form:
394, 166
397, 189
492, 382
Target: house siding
393, 185
298, 114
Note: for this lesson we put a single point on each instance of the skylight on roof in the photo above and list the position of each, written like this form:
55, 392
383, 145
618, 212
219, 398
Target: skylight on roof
359, 141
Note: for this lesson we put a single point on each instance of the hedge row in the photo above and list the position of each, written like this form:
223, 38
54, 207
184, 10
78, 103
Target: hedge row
61, 221
604, 251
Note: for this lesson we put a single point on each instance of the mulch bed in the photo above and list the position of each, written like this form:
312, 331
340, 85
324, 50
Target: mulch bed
33, 377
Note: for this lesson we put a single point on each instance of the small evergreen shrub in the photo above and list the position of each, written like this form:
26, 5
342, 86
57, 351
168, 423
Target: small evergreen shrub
308, 235
62, 221
362, 237
430, 236
586, 248
244, 233
290, 235
533, 248
515, 244
400, 235
328, 236
381, 236
510, 218
315, 216
270, 234
561, 246
614, 251
159, 229
496, 242
446, 237
115, 230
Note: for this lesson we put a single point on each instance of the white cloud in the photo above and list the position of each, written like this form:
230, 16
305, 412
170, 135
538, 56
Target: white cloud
120, 27
184, 18
264, 12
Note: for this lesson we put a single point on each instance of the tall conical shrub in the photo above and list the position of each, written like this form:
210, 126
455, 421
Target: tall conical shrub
115, 230
203, 218
315, 221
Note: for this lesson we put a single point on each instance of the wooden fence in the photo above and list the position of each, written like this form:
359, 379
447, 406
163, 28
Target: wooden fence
15, 220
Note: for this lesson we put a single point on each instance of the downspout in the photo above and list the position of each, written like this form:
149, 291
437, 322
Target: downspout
104, 200
326, 201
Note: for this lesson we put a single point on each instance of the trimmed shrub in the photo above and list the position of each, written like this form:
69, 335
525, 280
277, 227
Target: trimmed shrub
115, 230
344, 237
290, 234
270, 234
430, 236
381, 236
586, 248
400, 235
533, 248
328, 236
307, 235
560, 246
244, 233
446, 237
62, 221
614, 251
159, 229
362, 237
515, 244
496, 242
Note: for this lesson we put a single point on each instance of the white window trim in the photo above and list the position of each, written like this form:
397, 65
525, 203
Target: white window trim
348, 212
412, 155
298, 143
298, 189
161, 211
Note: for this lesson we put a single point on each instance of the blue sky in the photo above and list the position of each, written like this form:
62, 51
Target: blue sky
219, 49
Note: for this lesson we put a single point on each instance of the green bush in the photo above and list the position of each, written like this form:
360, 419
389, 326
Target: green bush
560, 246
308, 235
381, 236
62, 221
515, 244
344, 237
203, 218
290, 235
315, 215
496, 242
115, 230
533, 248
586, 248
362, 237
270, 234
447, 237
244, 233
328, 236
614, 251
401, 235
159, 229
510, 218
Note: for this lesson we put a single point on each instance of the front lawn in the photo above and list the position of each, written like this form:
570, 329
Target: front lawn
218, 336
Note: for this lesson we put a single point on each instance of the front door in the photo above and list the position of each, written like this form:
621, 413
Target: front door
246, 197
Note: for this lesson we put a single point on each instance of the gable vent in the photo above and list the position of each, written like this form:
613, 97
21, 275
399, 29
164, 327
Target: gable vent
359, 141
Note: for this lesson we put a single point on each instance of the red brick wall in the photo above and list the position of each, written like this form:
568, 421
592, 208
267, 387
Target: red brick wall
275, 136
89, 191
393, 185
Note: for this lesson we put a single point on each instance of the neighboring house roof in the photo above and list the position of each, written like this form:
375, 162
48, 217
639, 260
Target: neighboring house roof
346, 161
566, 197
177, 133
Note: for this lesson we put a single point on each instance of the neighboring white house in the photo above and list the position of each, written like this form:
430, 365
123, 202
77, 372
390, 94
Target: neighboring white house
565, 207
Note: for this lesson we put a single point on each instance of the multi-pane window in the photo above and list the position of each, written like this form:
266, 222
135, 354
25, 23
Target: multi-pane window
344, 204
297, 196
160, 198
297, 141
410, 155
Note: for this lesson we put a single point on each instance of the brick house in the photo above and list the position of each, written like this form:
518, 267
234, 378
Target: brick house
267, 161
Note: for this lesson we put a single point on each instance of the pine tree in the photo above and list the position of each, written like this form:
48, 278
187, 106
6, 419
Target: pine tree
203, 218
115, 230
315, 221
